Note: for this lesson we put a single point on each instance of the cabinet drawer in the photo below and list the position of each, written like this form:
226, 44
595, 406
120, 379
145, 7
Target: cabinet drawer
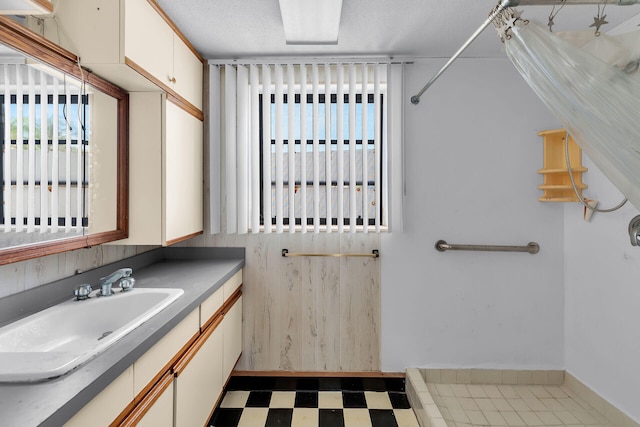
153, 361
210, 306
232, 284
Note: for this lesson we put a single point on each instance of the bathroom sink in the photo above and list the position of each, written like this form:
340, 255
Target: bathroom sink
54, 341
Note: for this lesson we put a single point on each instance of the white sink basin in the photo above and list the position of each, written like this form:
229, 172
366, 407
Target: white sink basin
54, 341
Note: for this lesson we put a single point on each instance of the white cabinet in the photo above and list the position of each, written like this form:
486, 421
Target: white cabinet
183, 172
199, 380
232, 347
166, 170
106, 406
131, 43
156, 407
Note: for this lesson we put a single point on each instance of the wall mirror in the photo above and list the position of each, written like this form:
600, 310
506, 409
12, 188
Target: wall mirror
63, 160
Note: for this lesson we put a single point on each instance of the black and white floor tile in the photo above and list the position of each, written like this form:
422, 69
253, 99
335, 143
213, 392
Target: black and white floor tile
317, 402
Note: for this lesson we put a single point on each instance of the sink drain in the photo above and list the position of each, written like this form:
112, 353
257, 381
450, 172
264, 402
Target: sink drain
105, 334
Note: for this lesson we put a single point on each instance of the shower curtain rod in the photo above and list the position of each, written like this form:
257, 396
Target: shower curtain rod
415, 99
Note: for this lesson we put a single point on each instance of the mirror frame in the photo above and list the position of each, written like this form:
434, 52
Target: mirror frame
37, 47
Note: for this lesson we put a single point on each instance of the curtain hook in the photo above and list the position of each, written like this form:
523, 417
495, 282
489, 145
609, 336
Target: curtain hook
600, 19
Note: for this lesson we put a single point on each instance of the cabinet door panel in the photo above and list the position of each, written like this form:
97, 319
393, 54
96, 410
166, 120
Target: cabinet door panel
199, 384
105, 407
151, 363
183, 174
187, 70
232, 347
161, 413
148, 40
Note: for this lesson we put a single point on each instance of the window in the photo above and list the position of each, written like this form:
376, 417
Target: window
44, 152
337, 182
305, 147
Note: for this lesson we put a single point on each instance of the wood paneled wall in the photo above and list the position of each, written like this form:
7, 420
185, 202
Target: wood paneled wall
308, 313
20, 276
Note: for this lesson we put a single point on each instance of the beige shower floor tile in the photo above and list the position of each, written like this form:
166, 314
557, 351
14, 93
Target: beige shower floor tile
514, 405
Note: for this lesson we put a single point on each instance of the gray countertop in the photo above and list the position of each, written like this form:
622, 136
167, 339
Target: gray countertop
199, 271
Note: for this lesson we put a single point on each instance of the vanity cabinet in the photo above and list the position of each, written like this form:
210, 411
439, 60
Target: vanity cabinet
166, 170
131, 43
180, 379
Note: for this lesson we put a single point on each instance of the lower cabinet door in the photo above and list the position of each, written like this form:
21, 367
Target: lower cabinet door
232, 348
161, 413
198, 384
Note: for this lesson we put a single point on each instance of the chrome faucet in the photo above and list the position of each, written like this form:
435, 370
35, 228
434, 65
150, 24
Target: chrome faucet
126, 281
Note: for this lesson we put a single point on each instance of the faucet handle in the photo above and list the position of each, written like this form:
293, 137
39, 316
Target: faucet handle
126, 283
82, 292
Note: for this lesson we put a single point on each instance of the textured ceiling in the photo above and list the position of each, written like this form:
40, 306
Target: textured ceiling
417, 28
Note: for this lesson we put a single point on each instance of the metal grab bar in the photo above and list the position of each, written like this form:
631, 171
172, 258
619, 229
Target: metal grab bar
374, 254
532, 247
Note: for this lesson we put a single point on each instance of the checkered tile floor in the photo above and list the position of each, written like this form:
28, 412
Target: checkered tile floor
317, 402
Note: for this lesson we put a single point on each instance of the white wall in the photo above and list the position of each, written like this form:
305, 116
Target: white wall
602, 298
472, 155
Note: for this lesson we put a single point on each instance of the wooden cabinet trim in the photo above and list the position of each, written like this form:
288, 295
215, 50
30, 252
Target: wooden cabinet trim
184, 360
224, 308
139, 411
180, 239
172, 95
173, 26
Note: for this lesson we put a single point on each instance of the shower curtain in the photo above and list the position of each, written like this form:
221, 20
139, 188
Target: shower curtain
593, 90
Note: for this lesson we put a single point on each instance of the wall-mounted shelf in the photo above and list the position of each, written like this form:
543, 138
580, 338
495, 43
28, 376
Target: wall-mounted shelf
556, 184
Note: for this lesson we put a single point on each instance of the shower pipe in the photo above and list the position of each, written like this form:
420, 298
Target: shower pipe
374, 254
415, 99
532, 247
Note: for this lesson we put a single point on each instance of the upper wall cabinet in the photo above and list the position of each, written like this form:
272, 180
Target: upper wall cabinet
131, 43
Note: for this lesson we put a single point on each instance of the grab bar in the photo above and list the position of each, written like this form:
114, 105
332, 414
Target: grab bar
532, 247
374, 254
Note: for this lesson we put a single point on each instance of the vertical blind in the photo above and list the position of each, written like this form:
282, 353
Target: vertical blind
304, 147
43, 152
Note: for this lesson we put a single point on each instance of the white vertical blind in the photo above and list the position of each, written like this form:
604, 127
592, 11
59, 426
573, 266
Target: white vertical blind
67, 180
279, 116
31, 161
291, 144
231, 186
254, 78
352, 148
242, 140
55, 158
316, 147
79, 154
266, 148
44, 152
377, 143
327, 146
340, 144
303, 147
365, 148
30, 203
6, 192
19, 155
322, 181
